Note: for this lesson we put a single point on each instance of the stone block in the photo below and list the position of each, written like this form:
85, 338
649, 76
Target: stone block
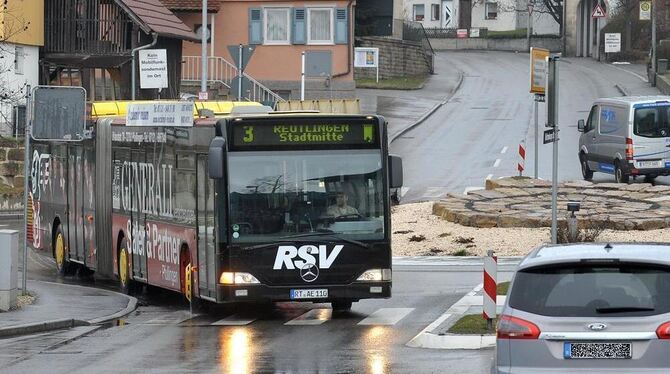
16, 154
19, 181
11, 168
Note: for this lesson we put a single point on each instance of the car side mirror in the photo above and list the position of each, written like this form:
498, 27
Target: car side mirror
580, 125
216, 160
395, 171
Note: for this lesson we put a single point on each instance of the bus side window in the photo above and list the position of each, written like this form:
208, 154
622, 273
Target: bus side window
185, 188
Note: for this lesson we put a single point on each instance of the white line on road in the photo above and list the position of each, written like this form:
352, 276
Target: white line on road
386, 316
468, 189
503, 150
490, 176
497, 163
173, 318
234, 320
643, 79
313, 317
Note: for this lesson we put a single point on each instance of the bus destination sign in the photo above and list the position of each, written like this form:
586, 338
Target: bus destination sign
277, 134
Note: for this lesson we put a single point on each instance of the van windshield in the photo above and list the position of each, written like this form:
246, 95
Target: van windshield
652, 122
592, 290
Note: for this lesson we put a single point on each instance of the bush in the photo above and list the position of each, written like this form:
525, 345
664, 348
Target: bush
589, 233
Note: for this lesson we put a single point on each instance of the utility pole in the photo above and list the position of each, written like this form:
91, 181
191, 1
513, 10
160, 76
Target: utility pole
203, 40
552, 121
653, 43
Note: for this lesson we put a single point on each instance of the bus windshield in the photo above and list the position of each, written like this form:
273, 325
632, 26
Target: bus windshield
279, 194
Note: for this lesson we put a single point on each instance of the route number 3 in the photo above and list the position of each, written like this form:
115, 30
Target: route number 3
248, 134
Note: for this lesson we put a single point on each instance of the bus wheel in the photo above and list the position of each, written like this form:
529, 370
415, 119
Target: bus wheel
341, 305
60, 253
124, 268
186, 273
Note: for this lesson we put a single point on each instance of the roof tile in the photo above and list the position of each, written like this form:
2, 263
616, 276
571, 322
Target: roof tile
192, 5
159, 19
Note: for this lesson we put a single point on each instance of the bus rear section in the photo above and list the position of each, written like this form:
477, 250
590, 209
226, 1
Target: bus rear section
307, 208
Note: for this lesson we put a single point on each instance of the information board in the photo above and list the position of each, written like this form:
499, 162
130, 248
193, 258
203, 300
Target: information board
58, 113
538, 70
153, 68
312, 133
160, 113
612, 42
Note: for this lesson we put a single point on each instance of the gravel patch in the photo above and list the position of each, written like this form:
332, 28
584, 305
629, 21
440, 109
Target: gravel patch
443, 238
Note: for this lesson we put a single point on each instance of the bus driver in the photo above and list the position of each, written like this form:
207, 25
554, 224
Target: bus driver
340, 208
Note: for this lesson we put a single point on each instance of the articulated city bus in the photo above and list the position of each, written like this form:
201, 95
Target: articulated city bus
226, 208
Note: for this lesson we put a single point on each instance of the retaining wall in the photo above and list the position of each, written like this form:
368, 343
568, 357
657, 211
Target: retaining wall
508, 44
397, 58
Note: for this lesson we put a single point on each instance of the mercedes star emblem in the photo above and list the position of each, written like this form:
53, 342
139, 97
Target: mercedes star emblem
309, 272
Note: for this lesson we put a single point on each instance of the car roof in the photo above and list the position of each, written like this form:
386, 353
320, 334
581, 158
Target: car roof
632, 100
656, 253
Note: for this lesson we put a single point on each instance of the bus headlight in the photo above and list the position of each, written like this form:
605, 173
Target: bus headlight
375, 275
237, 278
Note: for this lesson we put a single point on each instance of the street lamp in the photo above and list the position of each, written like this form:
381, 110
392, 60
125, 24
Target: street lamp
203, 40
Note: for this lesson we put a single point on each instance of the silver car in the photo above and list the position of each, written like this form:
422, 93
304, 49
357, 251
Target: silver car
597, 308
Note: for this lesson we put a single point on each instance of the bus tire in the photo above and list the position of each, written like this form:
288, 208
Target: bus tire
124, 267
341, 305
186, 274
63, 266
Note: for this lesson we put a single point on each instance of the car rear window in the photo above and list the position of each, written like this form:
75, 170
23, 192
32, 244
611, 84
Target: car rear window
652, 122
589, 290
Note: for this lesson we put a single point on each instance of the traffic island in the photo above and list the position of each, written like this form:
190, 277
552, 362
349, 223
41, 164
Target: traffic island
526, 202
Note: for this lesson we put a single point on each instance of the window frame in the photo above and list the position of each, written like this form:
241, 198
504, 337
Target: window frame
414, 13
435, 12
287, 41
19, 60
486, 10
331, 41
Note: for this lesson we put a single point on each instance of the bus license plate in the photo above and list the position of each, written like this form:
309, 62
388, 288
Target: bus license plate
320, 293
597, 350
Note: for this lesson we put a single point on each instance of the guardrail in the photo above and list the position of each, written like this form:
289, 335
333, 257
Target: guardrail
220, 70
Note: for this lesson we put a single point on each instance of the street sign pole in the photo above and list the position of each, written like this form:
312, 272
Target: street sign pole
240, 73
552, 121
26, 163
203, 40
653, 43
302, 78
537, 135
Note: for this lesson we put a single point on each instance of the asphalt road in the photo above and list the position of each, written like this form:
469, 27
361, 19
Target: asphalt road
476, 135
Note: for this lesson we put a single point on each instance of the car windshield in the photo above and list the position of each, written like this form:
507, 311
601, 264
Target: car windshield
593, 290
276, 195
652, 122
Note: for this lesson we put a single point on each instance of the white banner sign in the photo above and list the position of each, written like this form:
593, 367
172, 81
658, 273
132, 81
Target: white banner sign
160, 113
366, 57
153, 68
612, 42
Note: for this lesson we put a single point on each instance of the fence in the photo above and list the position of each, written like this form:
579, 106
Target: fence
414, 31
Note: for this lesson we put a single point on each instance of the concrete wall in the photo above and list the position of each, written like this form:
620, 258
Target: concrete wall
12, 84
506, 20
553, 44
397, 58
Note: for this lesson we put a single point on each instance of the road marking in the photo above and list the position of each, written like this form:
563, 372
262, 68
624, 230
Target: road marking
386, 316
503, 150
469, 189
643, 79
403, 191
490, 176
234, 320
497, 163
174, 318
313, 317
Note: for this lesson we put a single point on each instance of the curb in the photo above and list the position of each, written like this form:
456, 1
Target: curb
66, 323
622, 89
432, 110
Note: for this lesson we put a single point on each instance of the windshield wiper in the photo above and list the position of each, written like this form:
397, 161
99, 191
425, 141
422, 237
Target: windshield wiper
624, 309
325, 232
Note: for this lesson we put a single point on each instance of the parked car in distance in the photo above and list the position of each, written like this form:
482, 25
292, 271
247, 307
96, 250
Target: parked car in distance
596, 308
626, 136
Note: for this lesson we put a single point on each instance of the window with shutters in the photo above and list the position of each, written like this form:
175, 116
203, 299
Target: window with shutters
419, 11
320, 29
435, 12
277, 26
491, 11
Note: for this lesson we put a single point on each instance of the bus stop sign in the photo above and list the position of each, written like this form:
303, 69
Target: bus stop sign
58, 113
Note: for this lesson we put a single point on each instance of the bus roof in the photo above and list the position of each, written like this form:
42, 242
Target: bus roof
119, 108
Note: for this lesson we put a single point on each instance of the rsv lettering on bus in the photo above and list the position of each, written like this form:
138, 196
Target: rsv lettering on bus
286, 256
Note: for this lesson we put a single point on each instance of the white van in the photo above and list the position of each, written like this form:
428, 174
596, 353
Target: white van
626, 136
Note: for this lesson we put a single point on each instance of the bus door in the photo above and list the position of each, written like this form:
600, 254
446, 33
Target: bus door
206, 240
139, 218
88, 207
75, 197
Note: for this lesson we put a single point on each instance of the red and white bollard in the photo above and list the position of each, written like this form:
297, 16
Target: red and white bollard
522, 159
490, 288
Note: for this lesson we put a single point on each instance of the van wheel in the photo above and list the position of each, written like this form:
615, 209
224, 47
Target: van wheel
619, 174
587, 173
124, 267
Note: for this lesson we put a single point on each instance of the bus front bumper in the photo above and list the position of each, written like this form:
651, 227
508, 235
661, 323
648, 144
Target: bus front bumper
254, 293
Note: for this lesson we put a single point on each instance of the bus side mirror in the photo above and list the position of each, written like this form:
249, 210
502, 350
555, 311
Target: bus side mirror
216, 160
395, 171
580, 125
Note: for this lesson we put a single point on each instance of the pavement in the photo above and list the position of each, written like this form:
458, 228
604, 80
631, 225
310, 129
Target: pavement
62, 306
406, 109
